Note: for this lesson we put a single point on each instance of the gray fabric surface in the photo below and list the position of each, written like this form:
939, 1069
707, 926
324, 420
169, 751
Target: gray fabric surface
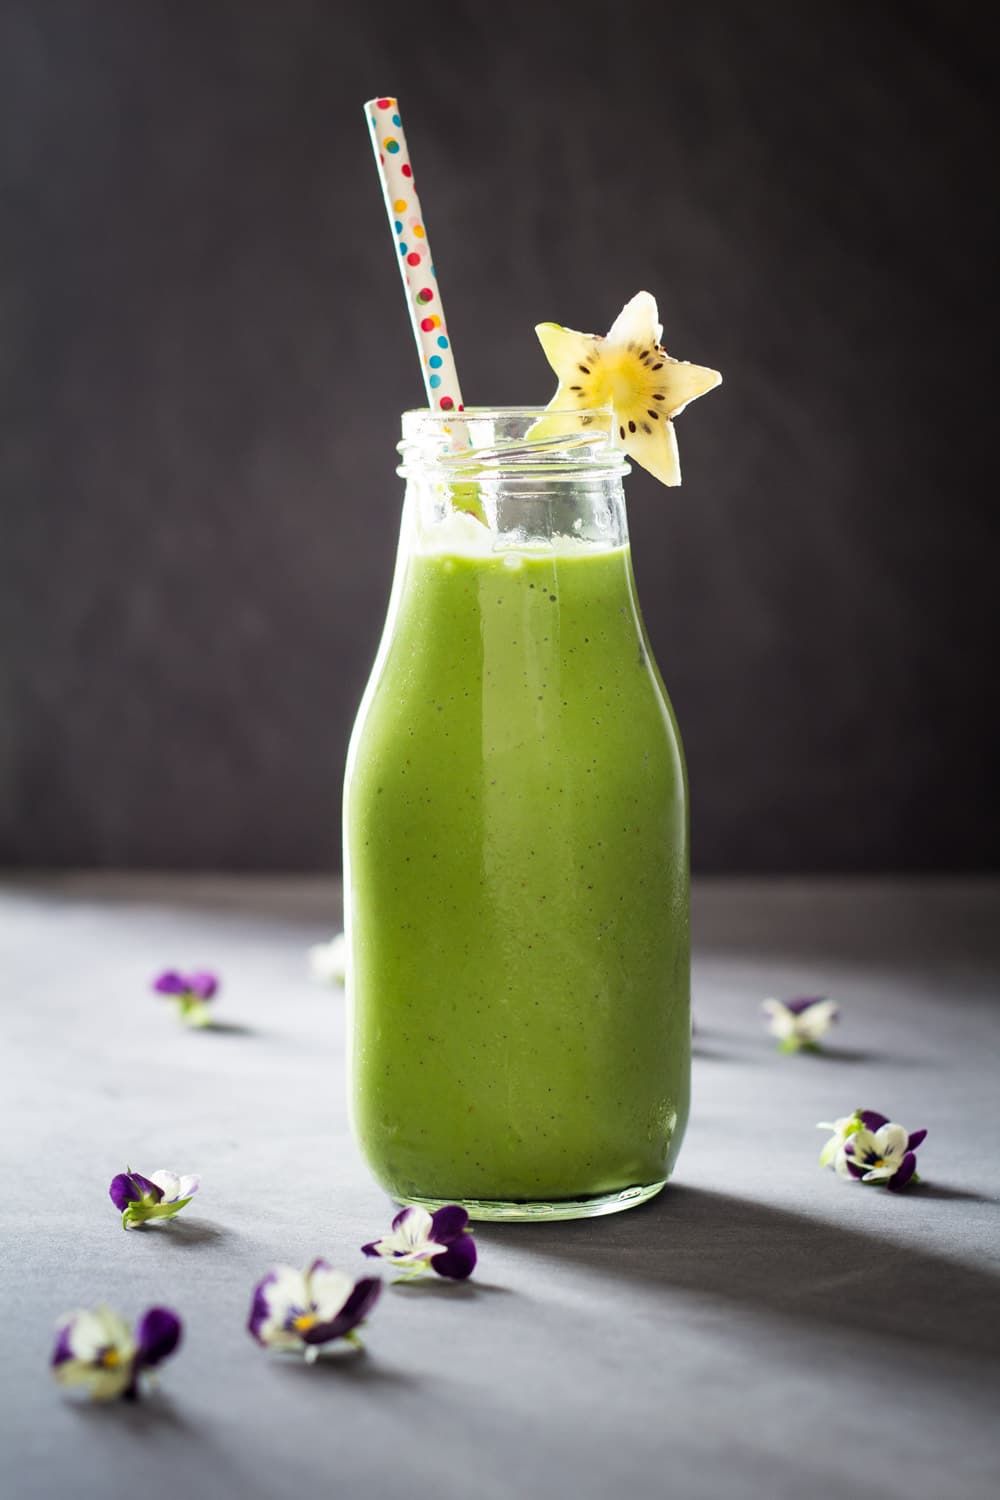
762, 1330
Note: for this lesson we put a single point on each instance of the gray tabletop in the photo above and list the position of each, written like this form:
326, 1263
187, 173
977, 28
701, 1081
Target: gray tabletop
763, 1329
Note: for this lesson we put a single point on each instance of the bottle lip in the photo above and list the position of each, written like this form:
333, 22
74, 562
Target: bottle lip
484, 442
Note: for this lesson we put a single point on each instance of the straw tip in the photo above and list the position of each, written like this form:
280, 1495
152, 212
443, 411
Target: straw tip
382, 102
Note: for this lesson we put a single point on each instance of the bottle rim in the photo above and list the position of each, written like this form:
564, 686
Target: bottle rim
494, 442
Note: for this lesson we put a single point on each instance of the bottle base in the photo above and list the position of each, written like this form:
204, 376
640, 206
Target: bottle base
513, 1212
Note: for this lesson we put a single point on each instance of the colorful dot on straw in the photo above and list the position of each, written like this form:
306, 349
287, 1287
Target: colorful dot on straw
402, 248
385, 103
435, 361
427, 324
398, 225
425, 295
391, 144
446, 403
442, 342
434, 382
406, 169
418, 230
413, 259
396, 120
399, 207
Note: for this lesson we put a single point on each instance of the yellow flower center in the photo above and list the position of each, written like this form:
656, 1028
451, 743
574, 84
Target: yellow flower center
304, 1322
111, 1358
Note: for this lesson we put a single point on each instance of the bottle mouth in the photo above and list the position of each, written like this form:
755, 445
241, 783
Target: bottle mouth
483, 443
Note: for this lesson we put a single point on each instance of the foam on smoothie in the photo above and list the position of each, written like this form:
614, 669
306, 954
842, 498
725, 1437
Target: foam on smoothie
462, 536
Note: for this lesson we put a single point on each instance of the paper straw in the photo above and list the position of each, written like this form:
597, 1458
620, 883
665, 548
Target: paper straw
416, 265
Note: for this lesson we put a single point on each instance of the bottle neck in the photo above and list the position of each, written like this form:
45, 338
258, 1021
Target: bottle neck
483, 479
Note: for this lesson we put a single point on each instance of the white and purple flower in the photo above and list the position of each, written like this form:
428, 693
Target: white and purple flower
159, 1196
99, 1351
800, 1023
421, 1241
328, 961
192, 993
300, 1311
871, 1148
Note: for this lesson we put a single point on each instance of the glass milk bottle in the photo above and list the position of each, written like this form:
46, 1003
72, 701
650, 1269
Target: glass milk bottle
516, 844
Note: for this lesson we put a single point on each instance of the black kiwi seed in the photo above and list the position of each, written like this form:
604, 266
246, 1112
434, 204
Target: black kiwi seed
654, 414
621, 431
576, 387
659, 366
646, 427
631, 427
584, 369
658, 397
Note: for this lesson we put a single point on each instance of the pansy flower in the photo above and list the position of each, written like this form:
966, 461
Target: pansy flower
801, 1022
300, 1311
328, 961
191, 991
871, 1148
421, 1241
159, 1196
98, 1350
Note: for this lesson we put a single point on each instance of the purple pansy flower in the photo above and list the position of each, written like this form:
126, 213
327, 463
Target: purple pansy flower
869, 1147
98, 1350
191, 991
422, 1241
301, 1311
160, 1196
801, 1022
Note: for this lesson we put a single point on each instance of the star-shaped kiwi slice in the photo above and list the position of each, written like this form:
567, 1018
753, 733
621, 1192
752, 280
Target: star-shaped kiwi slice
629, 371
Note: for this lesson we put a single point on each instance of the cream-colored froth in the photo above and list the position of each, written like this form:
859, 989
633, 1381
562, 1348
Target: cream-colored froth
461, 535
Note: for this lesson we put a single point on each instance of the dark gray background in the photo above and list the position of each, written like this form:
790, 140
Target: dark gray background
204, 351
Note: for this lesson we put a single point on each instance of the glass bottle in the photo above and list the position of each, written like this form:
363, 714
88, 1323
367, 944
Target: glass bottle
516, 841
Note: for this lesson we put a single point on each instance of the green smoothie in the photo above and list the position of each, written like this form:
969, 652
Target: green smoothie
517, 886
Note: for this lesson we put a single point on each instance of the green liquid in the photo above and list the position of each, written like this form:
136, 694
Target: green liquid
517, 881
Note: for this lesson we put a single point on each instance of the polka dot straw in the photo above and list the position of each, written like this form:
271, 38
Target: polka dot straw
423, 296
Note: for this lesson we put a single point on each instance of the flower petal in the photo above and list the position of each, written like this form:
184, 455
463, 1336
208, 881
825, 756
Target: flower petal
801, 1003
890, 1141
357, 1307
123, 1191
412, 1226
275, 1296
169, 1184
871, 1120
459, 1260
816, 1021
62, 1350
448, 1223
915, 1139
907, 1168
103, 1383
130, 1187
158, 1333
203, 983
329, 1291
170, 982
